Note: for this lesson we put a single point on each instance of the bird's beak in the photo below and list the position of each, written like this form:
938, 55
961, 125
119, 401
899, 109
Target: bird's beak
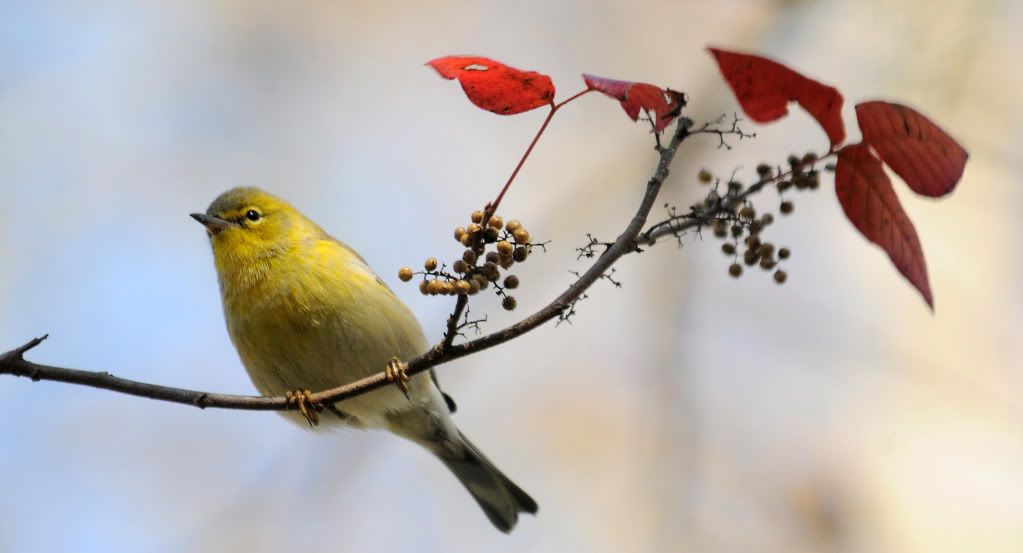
213, 224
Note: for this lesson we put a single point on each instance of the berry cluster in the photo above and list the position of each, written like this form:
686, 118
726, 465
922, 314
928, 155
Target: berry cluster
802, 175
478, 268
741, 226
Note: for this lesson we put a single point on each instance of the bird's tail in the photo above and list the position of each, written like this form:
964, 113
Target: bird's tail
497, 495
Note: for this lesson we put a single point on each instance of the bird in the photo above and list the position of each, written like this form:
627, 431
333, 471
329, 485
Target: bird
306, 312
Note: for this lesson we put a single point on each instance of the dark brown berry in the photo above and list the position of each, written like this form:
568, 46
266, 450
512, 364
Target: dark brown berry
460, 266
469, 257
520, 254
511, 281
735, 270
784, 253
766, 263
509, 303
704, 176
490, 235
728, 248
720, 229
786, 207
491, 271
780, 276
747, 212
813, 180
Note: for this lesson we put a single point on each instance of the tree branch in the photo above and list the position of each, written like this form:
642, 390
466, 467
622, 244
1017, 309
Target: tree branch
14, 363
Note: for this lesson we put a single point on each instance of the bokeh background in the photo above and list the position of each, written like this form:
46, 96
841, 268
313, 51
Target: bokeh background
686, 411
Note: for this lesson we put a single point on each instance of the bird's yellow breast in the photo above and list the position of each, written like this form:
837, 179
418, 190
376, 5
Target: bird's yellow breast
313, 315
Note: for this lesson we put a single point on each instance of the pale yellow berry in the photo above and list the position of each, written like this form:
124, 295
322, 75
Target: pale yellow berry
505, 247
521, 235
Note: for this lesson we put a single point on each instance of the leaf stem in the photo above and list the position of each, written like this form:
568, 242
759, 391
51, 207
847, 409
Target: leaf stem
492, 208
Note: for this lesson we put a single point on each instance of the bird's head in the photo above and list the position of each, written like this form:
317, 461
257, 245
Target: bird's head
247, 224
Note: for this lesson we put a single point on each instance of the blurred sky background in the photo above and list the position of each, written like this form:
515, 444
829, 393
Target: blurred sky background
686, 411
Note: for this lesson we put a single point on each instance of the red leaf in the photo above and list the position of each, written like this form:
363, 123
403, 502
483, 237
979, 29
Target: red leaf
927, 158
496, 87
664, 104
869, 201
765, 87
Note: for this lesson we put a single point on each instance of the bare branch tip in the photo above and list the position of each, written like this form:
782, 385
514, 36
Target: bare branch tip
18, 353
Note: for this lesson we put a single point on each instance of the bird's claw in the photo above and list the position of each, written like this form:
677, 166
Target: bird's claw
397, 372
304, 399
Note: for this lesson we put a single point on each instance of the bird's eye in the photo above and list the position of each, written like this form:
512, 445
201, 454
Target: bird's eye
252, 215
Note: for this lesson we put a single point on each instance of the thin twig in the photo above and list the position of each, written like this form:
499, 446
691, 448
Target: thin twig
675, 225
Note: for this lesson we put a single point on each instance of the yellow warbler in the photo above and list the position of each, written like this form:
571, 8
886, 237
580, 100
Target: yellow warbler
306, 312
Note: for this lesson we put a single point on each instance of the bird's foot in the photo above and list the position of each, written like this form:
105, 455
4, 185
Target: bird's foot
304, 399
397, 372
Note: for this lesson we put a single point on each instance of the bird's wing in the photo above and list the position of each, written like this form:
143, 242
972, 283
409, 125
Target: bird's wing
452, 407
